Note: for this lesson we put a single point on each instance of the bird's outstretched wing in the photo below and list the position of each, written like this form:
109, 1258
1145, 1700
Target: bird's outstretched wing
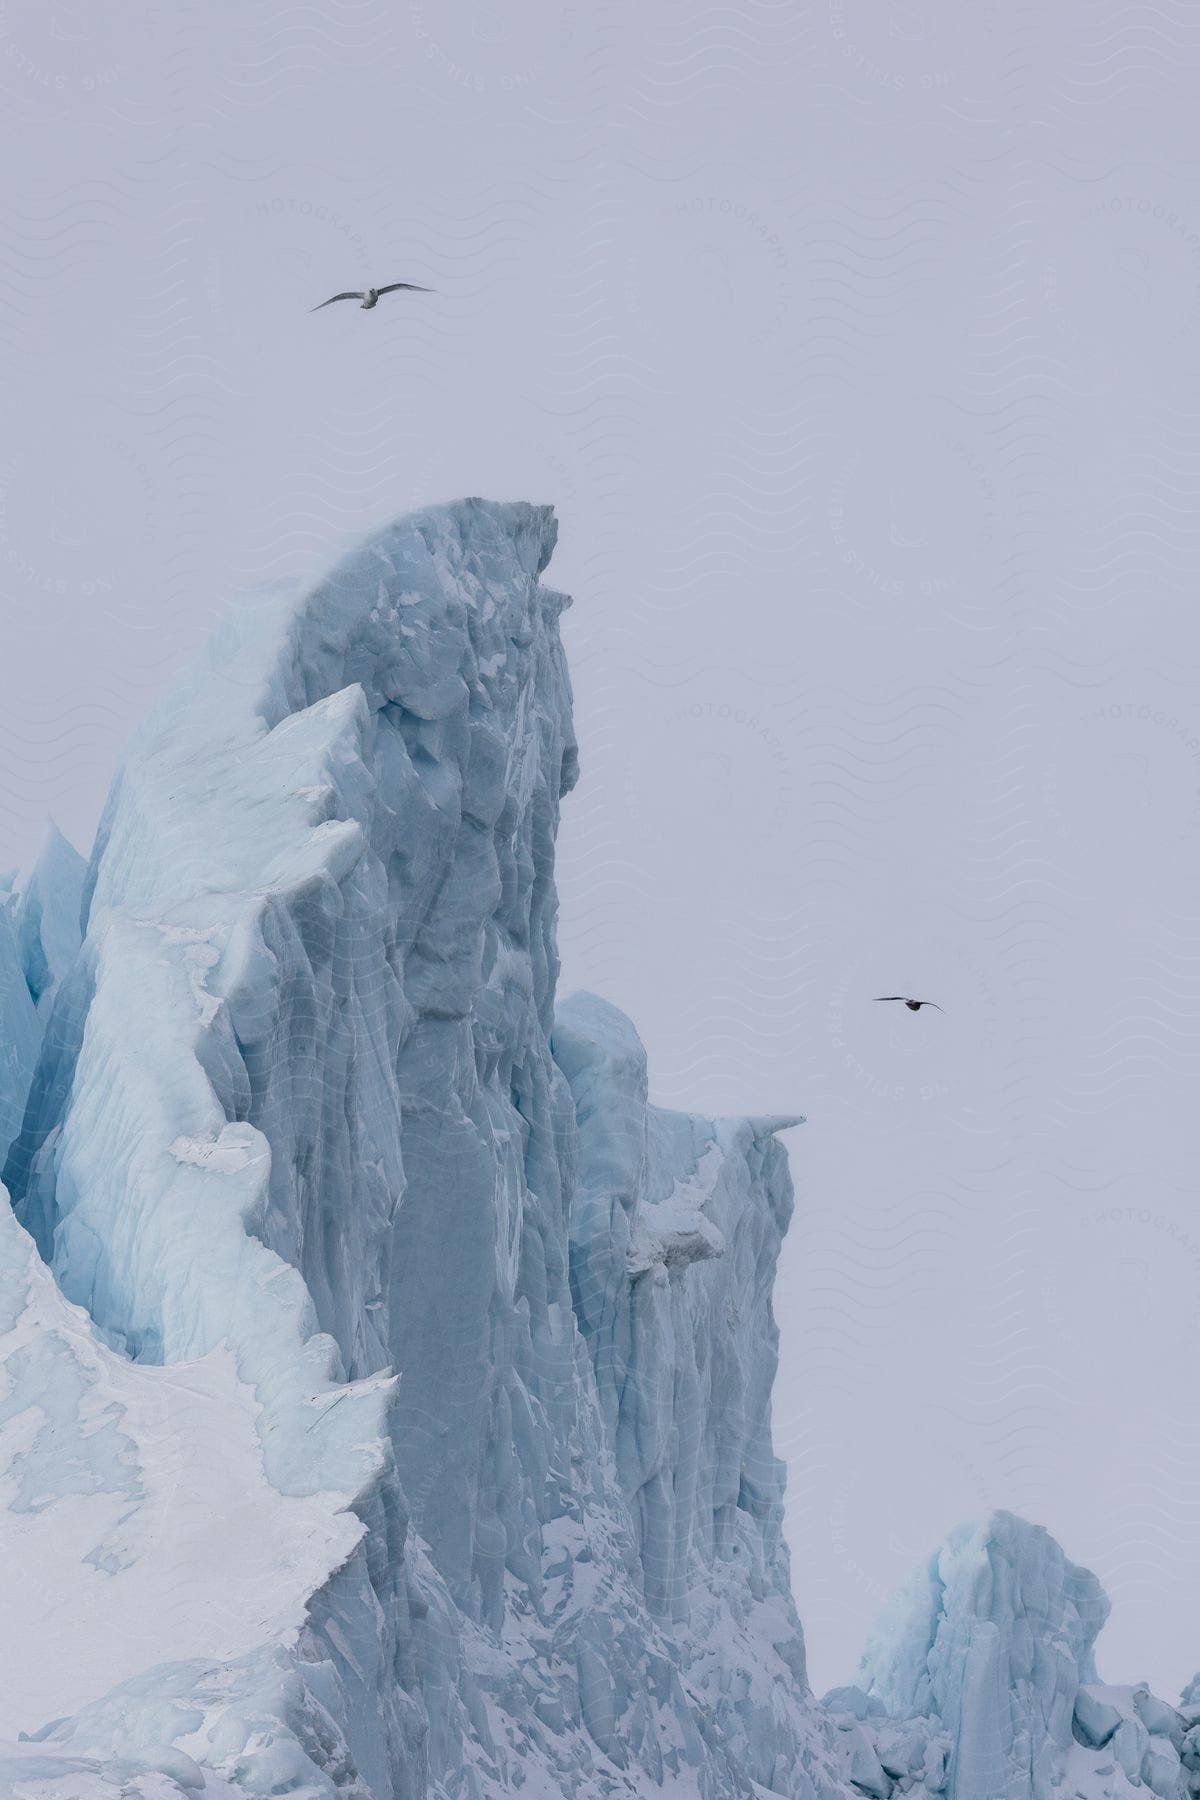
332, 298
414, 286
889, 996
934, 1004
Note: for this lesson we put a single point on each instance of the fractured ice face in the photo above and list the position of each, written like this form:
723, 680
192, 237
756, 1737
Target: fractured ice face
387, 1414
994, 1638
20, 1033
48, 918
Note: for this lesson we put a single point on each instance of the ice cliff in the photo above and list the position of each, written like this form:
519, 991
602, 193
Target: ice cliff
300, 1170
991, 1644
385, 1395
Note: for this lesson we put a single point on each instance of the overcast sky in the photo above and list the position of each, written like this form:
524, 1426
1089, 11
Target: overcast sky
858, 346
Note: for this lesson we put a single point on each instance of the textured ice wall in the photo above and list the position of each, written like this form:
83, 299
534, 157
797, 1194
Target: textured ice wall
224, 1120
676, 1225
995, 1639
298, 1104
20, 1033
995, 1636
303, 1114
48, 918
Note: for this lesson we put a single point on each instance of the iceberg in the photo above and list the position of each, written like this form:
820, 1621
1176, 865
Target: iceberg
993, 1642
297, 1176
385, 1383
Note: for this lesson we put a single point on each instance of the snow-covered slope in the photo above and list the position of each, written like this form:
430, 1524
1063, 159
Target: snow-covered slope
385, 1394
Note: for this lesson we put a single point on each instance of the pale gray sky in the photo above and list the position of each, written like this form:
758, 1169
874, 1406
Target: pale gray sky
858, 346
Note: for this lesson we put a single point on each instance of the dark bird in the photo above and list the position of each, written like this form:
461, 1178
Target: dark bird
370, 297
912, 1005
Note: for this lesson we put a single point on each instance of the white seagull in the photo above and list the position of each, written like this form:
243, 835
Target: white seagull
912, 1005
370, 296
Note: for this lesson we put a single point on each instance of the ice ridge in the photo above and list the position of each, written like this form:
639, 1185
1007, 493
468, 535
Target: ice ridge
298, 1151
385, 1384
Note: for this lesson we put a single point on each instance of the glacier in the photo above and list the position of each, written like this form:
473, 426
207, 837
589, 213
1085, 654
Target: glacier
992, 1642
386, 1395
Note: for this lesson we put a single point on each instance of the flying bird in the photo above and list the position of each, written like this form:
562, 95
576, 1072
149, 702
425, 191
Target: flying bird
912, 1005
370, 296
